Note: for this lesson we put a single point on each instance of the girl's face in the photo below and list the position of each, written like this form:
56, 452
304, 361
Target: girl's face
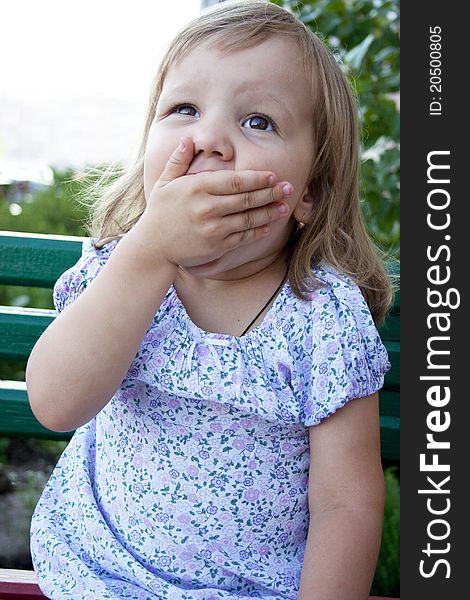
248, 109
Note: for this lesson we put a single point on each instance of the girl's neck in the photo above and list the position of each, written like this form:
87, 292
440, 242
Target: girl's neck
228, 305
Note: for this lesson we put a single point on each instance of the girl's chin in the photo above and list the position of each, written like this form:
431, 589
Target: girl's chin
208, 269
238, 263
201, 270
228, 266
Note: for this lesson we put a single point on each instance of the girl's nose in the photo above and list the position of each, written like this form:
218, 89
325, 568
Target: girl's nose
212, 140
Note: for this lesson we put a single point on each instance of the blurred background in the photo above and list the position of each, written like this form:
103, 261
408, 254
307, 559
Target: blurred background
75, 77
74, 81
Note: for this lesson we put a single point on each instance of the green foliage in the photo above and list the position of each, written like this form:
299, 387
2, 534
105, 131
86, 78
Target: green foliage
387, 574
364, 36
52, 210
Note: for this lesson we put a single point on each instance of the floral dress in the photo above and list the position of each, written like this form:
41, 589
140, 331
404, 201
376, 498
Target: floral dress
191, 483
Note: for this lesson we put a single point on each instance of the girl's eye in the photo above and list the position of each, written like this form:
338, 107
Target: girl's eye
258, 122
185, 109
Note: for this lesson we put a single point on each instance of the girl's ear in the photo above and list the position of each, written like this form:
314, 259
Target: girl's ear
305, 206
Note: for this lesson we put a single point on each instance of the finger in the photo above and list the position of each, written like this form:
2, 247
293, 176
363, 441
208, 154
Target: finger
246, 201
248, 236
255, 218
220, 183
178, 163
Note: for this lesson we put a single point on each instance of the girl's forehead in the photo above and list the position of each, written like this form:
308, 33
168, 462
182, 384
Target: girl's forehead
274, 57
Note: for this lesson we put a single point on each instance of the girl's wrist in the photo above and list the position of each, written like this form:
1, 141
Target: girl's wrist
146, 257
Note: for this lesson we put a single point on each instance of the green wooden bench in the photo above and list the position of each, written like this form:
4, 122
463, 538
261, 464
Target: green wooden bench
37, 261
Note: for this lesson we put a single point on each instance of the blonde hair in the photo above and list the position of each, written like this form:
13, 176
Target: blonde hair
336, 234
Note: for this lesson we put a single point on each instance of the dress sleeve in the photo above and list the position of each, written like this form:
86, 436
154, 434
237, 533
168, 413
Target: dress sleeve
343, 356
72, 282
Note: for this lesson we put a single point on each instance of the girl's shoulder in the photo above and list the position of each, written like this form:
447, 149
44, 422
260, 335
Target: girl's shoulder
333, 295
332, 279
334, 320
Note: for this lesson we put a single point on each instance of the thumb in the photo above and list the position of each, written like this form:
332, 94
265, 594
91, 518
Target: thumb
178, 163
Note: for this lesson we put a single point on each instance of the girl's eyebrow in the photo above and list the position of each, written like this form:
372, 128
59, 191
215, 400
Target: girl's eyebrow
258, 89
178, 91
260, 96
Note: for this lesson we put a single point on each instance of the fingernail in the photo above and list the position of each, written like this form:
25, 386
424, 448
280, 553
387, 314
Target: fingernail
283, 209
182, 146
271, 180
287, 189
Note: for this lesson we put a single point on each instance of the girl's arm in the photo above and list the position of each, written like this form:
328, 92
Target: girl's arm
346, 500
83, 356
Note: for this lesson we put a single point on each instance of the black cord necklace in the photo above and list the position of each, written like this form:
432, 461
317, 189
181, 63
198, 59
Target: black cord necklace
267, 304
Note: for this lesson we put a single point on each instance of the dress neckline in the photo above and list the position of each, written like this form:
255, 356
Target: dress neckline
203, 333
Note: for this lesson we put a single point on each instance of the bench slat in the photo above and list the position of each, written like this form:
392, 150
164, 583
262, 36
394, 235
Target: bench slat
390, 438
389, 402
19, 584
36, 260
20, 328
16, 417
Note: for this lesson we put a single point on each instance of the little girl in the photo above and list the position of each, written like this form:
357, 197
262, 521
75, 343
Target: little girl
216, 349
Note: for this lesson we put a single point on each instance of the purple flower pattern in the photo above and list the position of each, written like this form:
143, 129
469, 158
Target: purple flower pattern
191, 483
